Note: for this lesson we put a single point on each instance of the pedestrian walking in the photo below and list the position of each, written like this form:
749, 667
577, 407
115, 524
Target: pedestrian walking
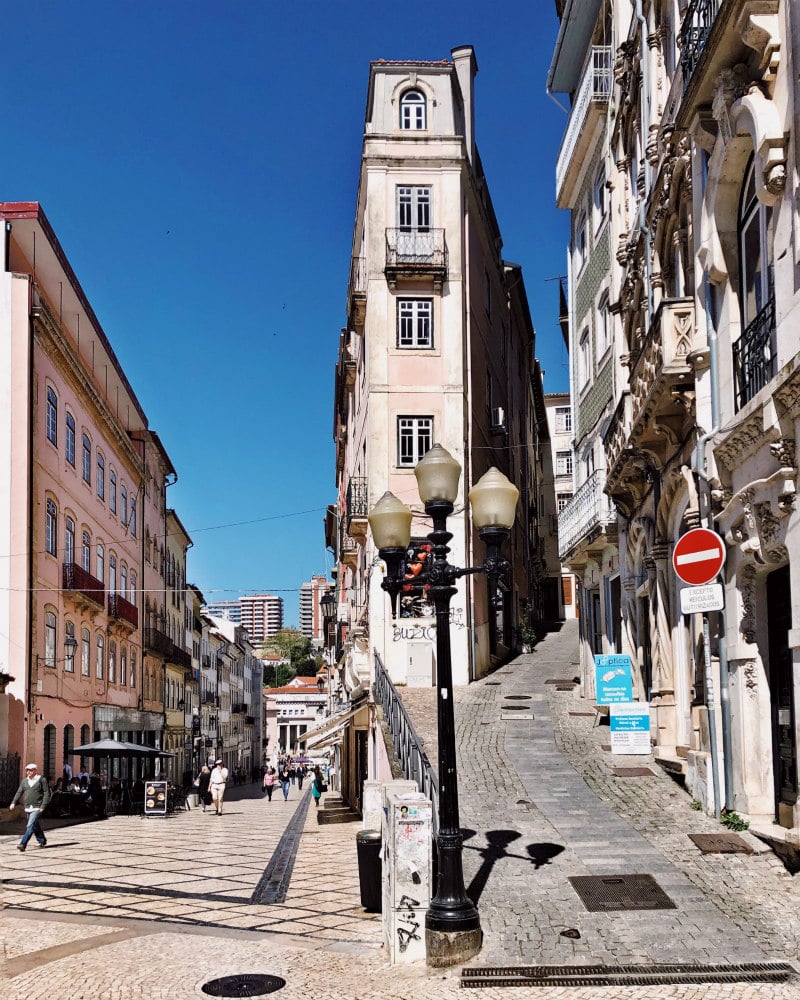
217, 781
285, 780
35, 794
301, 773
203, 781
318, 786
269, 782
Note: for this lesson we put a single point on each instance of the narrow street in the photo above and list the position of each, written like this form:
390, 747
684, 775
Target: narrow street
266, 889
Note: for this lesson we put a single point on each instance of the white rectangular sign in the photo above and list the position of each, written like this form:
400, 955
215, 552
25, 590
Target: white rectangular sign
630, 727
706, 598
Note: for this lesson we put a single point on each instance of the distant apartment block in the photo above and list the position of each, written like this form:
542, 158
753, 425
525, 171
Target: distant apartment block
311, 592
262, 615
228, 610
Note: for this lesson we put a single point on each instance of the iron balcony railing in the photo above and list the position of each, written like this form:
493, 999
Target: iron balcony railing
408, 747
754, 355
119, 607
79, 580
357, 499
180, 657
422, 249
588, 510
695, 31
595, 86
157, 642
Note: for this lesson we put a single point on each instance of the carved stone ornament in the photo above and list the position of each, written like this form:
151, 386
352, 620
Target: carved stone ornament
768, 524
731, 85
784, 452
750, 675
756, 114
747, 624
741, 442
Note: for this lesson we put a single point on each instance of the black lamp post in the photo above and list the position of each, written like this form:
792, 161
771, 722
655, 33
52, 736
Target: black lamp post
452, 923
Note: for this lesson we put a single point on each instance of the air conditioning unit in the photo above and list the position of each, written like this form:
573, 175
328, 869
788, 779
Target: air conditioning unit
498, 422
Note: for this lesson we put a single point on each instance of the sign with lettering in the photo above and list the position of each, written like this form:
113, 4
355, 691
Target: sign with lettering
613, 679
630, 727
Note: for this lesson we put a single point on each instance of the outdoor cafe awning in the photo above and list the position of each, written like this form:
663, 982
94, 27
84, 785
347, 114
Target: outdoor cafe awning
118, 748
324, 735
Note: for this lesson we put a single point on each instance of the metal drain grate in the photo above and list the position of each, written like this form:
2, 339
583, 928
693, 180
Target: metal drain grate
625, 975
720, 843
247, 985
632, 772
560, 680
607, 893
583, 715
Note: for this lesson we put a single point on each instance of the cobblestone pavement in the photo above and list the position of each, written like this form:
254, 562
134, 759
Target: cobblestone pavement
154, 909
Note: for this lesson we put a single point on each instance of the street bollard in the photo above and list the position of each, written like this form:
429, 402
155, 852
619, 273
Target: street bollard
407, 875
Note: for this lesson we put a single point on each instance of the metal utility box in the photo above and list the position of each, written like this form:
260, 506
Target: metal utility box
407, 874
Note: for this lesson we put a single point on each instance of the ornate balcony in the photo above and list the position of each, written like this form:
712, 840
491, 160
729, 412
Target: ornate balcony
348, 548
588, 514
416, 253
76, 580
591, 100
695, 32
357, 294
357, 507
754, 355
123, 610
180, 657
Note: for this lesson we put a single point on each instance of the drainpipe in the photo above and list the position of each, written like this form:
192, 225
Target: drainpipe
644, 120
31, 700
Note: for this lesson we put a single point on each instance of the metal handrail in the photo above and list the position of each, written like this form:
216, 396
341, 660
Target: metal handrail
595, 85
754, 355
694, 34
408, 747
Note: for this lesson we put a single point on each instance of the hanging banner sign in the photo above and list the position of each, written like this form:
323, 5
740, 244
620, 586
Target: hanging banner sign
630, 728
613, 679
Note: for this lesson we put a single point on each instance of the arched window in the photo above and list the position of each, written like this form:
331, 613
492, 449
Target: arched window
85, 737
101, 477
51, 527
112, 662
112, 574
69, 661
123, 504
755, 353
86, 464
101, 562
86, 551
51, 418
133, 668
413, 111
132, 597
69, 444
101, 656
69, 743
69, 540
112, 491
132, 522
49, 639
123, 579
85, 650
123, 665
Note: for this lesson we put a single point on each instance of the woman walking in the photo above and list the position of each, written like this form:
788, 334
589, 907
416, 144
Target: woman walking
286, 780
269, 782
317, 786
202, 786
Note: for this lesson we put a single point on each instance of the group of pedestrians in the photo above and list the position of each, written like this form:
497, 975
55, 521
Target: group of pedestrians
288, 774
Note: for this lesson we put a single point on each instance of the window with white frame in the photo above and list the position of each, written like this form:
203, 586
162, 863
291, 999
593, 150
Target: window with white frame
562, 499
123, 665
563, 419
132, 521
112, 574
101, 562
123, 505
51, 527
413, 111
599, 193
101, 477
584, 366
415, 323
133, 668
100, 661
86, 551
112, 491
51, 417
603, 331
86, 466
69, 660
112, 662
132, 597
123, 579
579, 256
69, 443
85, 651
414, 208
49, 639
563, 463
414, 439
69, 540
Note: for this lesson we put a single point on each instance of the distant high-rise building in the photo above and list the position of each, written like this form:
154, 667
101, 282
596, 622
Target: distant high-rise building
311, 592
262, 615
229, 610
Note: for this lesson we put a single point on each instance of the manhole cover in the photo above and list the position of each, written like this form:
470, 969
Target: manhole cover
247, 985
632, 772
604, 893
720, 843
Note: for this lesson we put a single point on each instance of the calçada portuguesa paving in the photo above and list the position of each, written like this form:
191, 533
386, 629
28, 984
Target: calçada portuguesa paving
156, 908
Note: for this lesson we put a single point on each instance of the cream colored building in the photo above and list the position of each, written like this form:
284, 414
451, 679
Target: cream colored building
559, 419
682, 129
438, 348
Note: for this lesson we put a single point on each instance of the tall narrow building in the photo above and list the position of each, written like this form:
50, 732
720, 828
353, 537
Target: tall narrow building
311, 621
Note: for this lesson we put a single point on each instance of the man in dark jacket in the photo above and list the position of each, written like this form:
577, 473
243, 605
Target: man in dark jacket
35, 794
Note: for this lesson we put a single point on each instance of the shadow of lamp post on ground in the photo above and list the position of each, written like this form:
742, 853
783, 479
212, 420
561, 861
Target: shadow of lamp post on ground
452, 923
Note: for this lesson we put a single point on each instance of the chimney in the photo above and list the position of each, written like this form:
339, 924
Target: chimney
466, 68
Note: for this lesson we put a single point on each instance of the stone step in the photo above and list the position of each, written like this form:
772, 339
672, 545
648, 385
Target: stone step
332, 802
344, 814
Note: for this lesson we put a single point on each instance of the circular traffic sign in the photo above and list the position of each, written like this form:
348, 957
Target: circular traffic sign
698, 556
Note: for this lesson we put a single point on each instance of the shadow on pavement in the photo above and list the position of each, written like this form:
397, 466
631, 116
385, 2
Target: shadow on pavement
498, 842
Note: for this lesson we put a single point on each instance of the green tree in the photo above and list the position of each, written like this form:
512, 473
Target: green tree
290, 644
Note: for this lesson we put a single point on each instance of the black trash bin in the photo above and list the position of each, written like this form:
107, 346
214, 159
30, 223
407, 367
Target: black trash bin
368, 843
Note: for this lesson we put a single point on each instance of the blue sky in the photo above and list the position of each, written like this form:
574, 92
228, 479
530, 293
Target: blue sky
199, 163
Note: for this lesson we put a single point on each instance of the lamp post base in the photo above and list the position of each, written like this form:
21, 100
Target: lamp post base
446, 948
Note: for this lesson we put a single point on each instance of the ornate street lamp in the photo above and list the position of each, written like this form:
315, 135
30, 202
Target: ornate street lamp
452, 923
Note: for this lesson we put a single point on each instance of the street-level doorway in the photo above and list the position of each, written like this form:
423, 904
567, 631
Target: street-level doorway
781, 683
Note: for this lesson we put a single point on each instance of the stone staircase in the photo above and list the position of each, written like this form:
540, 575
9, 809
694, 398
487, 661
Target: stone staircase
335, 810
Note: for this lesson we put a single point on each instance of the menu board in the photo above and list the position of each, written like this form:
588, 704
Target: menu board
155, 798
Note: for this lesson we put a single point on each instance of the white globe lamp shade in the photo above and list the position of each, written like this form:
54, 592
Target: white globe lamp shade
494, 500
438, 474
390, 522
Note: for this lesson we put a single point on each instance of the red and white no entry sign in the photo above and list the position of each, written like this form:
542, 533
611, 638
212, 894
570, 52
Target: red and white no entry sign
698, 556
